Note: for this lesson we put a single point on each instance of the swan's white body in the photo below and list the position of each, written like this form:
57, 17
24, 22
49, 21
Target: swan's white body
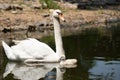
34, 50
30, 49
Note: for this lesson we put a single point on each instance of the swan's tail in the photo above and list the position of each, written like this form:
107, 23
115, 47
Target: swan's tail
8, 51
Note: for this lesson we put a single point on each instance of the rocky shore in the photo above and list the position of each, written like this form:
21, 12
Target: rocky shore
30, 16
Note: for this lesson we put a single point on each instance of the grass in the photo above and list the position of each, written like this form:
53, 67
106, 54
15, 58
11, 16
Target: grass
50, 4
49, 40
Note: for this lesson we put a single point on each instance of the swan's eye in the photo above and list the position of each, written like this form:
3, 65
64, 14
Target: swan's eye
62, 59
59, 13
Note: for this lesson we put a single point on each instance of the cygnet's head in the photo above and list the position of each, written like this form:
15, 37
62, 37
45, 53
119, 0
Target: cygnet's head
57, 14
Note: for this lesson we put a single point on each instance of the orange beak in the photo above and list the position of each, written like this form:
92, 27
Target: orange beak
62, 17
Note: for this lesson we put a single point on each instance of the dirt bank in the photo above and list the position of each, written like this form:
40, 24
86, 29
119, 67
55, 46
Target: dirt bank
23, 16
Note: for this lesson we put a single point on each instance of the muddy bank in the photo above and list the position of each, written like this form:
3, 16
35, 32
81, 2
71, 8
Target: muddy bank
37, 21
15, 17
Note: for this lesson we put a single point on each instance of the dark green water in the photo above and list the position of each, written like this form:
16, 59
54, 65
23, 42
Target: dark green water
96, 49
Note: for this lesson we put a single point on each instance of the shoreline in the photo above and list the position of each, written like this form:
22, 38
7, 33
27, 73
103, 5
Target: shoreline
65, 31
38, 19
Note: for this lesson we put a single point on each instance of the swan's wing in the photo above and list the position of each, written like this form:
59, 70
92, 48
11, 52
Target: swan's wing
33, 48
8, 51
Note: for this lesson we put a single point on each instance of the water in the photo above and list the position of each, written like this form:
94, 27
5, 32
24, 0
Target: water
97, 50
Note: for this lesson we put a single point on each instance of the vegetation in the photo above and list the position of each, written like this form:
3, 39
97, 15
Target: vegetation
49, 40
50, 4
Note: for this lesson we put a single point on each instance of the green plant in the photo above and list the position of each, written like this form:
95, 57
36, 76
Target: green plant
100, 11
49, 40
50, 4
20, 3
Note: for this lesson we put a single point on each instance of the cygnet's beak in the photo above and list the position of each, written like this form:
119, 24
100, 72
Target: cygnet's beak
62, 17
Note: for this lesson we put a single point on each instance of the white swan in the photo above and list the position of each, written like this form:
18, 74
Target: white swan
32, 50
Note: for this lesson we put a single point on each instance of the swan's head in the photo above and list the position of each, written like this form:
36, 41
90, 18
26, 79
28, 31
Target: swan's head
57, 14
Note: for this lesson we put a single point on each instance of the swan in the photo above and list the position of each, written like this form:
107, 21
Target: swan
32, 50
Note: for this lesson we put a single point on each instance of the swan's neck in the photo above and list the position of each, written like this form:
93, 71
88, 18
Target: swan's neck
58, 37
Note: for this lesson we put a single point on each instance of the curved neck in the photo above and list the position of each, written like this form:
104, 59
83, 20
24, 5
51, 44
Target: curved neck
58, 37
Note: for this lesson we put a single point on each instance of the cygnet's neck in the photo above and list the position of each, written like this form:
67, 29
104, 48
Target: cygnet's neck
58, 37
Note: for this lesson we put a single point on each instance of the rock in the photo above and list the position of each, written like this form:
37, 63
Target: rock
101, 20
5, 6
45, 15
40, 29
69, 5
16, 7
31, 27
5, 30
2, 6
111, 20
1, 27
40, 26
14, 12
51, 24
73, 6
35, 6
10, 7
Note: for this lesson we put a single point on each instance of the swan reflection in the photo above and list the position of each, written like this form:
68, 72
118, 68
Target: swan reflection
48, 71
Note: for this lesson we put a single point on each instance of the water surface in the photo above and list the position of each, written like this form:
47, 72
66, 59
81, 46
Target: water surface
97, 50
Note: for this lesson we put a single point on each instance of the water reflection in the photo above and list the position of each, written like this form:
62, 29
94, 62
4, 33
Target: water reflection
95, 41
33, 72
97, 50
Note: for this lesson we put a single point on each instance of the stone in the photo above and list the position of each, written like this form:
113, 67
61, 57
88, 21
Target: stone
16, 7
10, 7
14, 12
1, 27
45, 15
35, 6
5, 30
40, 26
31, 27
110, 20
5, 6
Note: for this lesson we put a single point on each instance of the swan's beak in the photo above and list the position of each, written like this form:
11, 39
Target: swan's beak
62, 17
